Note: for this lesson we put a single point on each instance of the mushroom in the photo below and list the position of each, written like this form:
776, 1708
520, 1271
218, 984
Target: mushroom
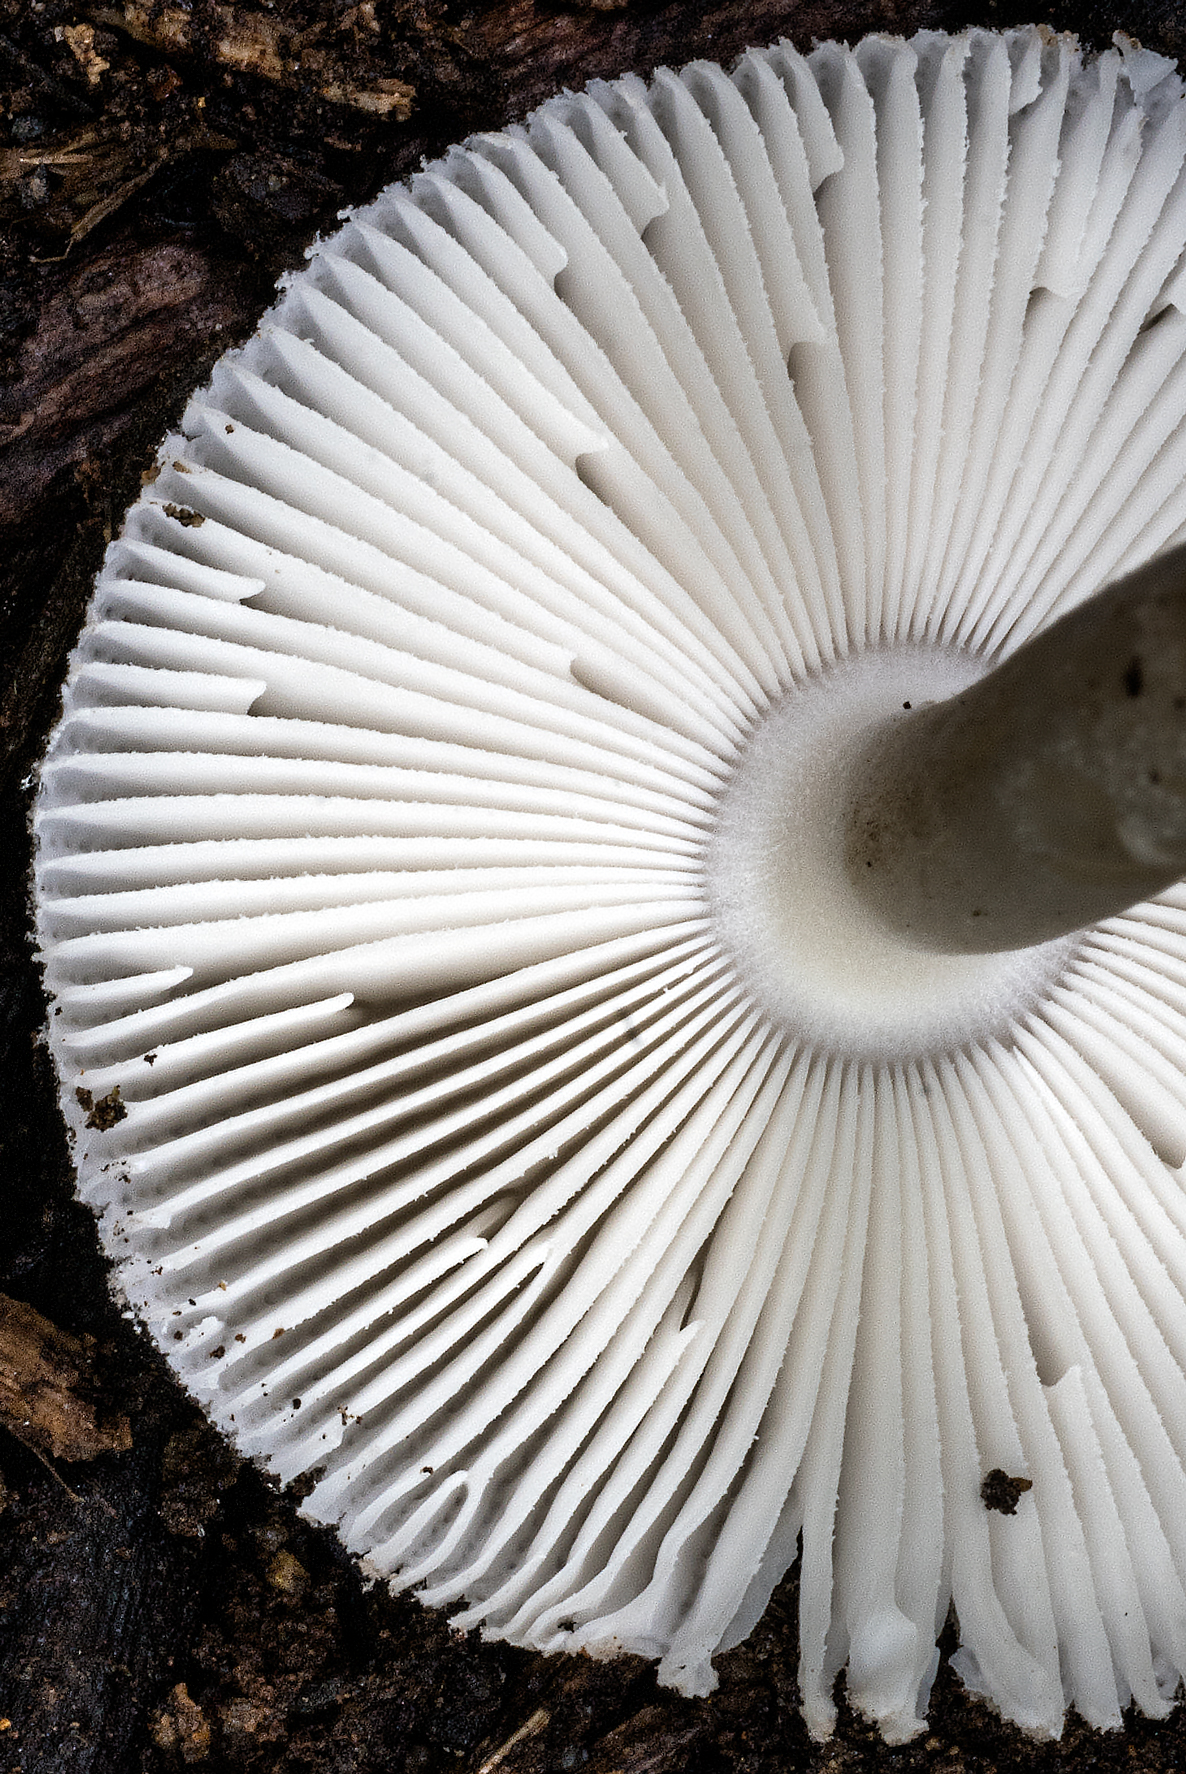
503, 1094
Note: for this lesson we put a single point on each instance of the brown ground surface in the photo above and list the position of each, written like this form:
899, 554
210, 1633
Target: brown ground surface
163, 1606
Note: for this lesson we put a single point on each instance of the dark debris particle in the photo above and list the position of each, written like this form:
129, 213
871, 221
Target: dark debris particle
183, 514
1134, 676
305, 1484
1002, 1493
316, 1700
104, 1114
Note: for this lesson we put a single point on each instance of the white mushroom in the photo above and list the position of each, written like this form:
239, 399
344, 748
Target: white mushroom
495, 1091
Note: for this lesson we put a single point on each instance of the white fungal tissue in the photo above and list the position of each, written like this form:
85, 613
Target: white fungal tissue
491, 1094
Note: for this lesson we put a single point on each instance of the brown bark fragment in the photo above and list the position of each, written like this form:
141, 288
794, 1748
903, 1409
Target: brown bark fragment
47, 1388
249, 42
100, 343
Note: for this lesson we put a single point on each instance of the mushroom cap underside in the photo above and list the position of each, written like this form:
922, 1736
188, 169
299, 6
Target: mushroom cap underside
404, 881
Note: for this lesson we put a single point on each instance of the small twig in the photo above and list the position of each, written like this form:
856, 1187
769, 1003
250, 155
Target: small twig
534, 1724
106, 206
51, 1469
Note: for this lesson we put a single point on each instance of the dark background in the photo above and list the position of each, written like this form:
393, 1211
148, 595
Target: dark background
161, 161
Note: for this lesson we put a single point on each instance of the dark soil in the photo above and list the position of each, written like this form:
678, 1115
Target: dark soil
161, 161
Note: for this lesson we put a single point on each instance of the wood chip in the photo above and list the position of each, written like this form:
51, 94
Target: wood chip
47, 1384
249, 42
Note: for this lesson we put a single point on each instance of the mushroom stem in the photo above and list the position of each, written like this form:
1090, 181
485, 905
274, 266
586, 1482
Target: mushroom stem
1049, 795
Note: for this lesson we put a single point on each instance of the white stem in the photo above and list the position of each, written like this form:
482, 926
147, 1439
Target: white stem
1046, 797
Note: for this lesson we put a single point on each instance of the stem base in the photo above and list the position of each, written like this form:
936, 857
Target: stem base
812, 949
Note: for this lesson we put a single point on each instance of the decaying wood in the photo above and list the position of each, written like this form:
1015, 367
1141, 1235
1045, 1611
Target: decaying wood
49, 1388
259, 43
